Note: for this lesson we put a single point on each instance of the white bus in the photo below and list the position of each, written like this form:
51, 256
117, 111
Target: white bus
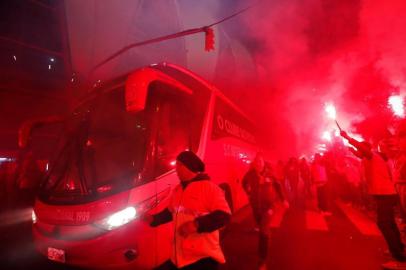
116, 161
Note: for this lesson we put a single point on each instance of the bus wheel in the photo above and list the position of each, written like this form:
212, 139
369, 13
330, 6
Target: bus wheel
227, 193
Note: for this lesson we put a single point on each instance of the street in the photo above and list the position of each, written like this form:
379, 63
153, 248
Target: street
302, 239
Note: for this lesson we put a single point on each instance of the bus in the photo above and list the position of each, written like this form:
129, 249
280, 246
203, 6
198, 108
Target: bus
116, 161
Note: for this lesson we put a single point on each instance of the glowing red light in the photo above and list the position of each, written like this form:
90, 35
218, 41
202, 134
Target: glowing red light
326, 136
70, 185
397, 105
104, 188
330, 110
209, 39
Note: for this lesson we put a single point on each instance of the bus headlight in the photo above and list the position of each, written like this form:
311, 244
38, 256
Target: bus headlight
118, 219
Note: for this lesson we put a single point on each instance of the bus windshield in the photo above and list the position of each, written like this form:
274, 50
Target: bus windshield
102, 152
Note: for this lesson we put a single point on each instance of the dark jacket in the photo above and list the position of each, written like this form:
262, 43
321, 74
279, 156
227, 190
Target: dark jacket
262, 190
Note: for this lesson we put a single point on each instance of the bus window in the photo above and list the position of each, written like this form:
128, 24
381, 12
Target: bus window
106, 149
174, 121
201, 96
102, 151
115, 142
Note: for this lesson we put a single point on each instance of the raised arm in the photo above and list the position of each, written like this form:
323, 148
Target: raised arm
356, 152
362, 150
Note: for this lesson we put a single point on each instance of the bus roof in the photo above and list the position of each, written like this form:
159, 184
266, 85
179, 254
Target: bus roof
120, 81
208, 85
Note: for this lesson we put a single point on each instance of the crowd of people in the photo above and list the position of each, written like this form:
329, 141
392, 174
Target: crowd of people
368, 176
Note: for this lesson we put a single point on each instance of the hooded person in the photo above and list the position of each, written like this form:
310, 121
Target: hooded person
198, 209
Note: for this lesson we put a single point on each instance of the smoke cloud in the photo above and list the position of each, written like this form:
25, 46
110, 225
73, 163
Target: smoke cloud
311, 52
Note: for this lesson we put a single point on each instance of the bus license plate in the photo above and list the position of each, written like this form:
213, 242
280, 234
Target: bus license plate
55, 254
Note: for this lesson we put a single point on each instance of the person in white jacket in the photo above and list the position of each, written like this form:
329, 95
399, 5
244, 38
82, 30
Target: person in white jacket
198, 209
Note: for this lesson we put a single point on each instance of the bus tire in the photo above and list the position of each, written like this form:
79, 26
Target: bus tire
227, 193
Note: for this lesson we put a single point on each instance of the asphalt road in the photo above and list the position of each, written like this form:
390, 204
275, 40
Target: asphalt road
301, 239
307, 240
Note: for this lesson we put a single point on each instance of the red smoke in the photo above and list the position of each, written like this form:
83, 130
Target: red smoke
348, 52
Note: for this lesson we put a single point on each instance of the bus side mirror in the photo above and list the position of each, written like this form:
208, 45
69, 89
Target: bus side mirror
136, 89
137, 83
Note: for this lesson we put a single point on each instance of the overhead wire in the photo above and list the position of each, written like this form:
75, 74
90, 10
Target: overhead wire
167, 37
